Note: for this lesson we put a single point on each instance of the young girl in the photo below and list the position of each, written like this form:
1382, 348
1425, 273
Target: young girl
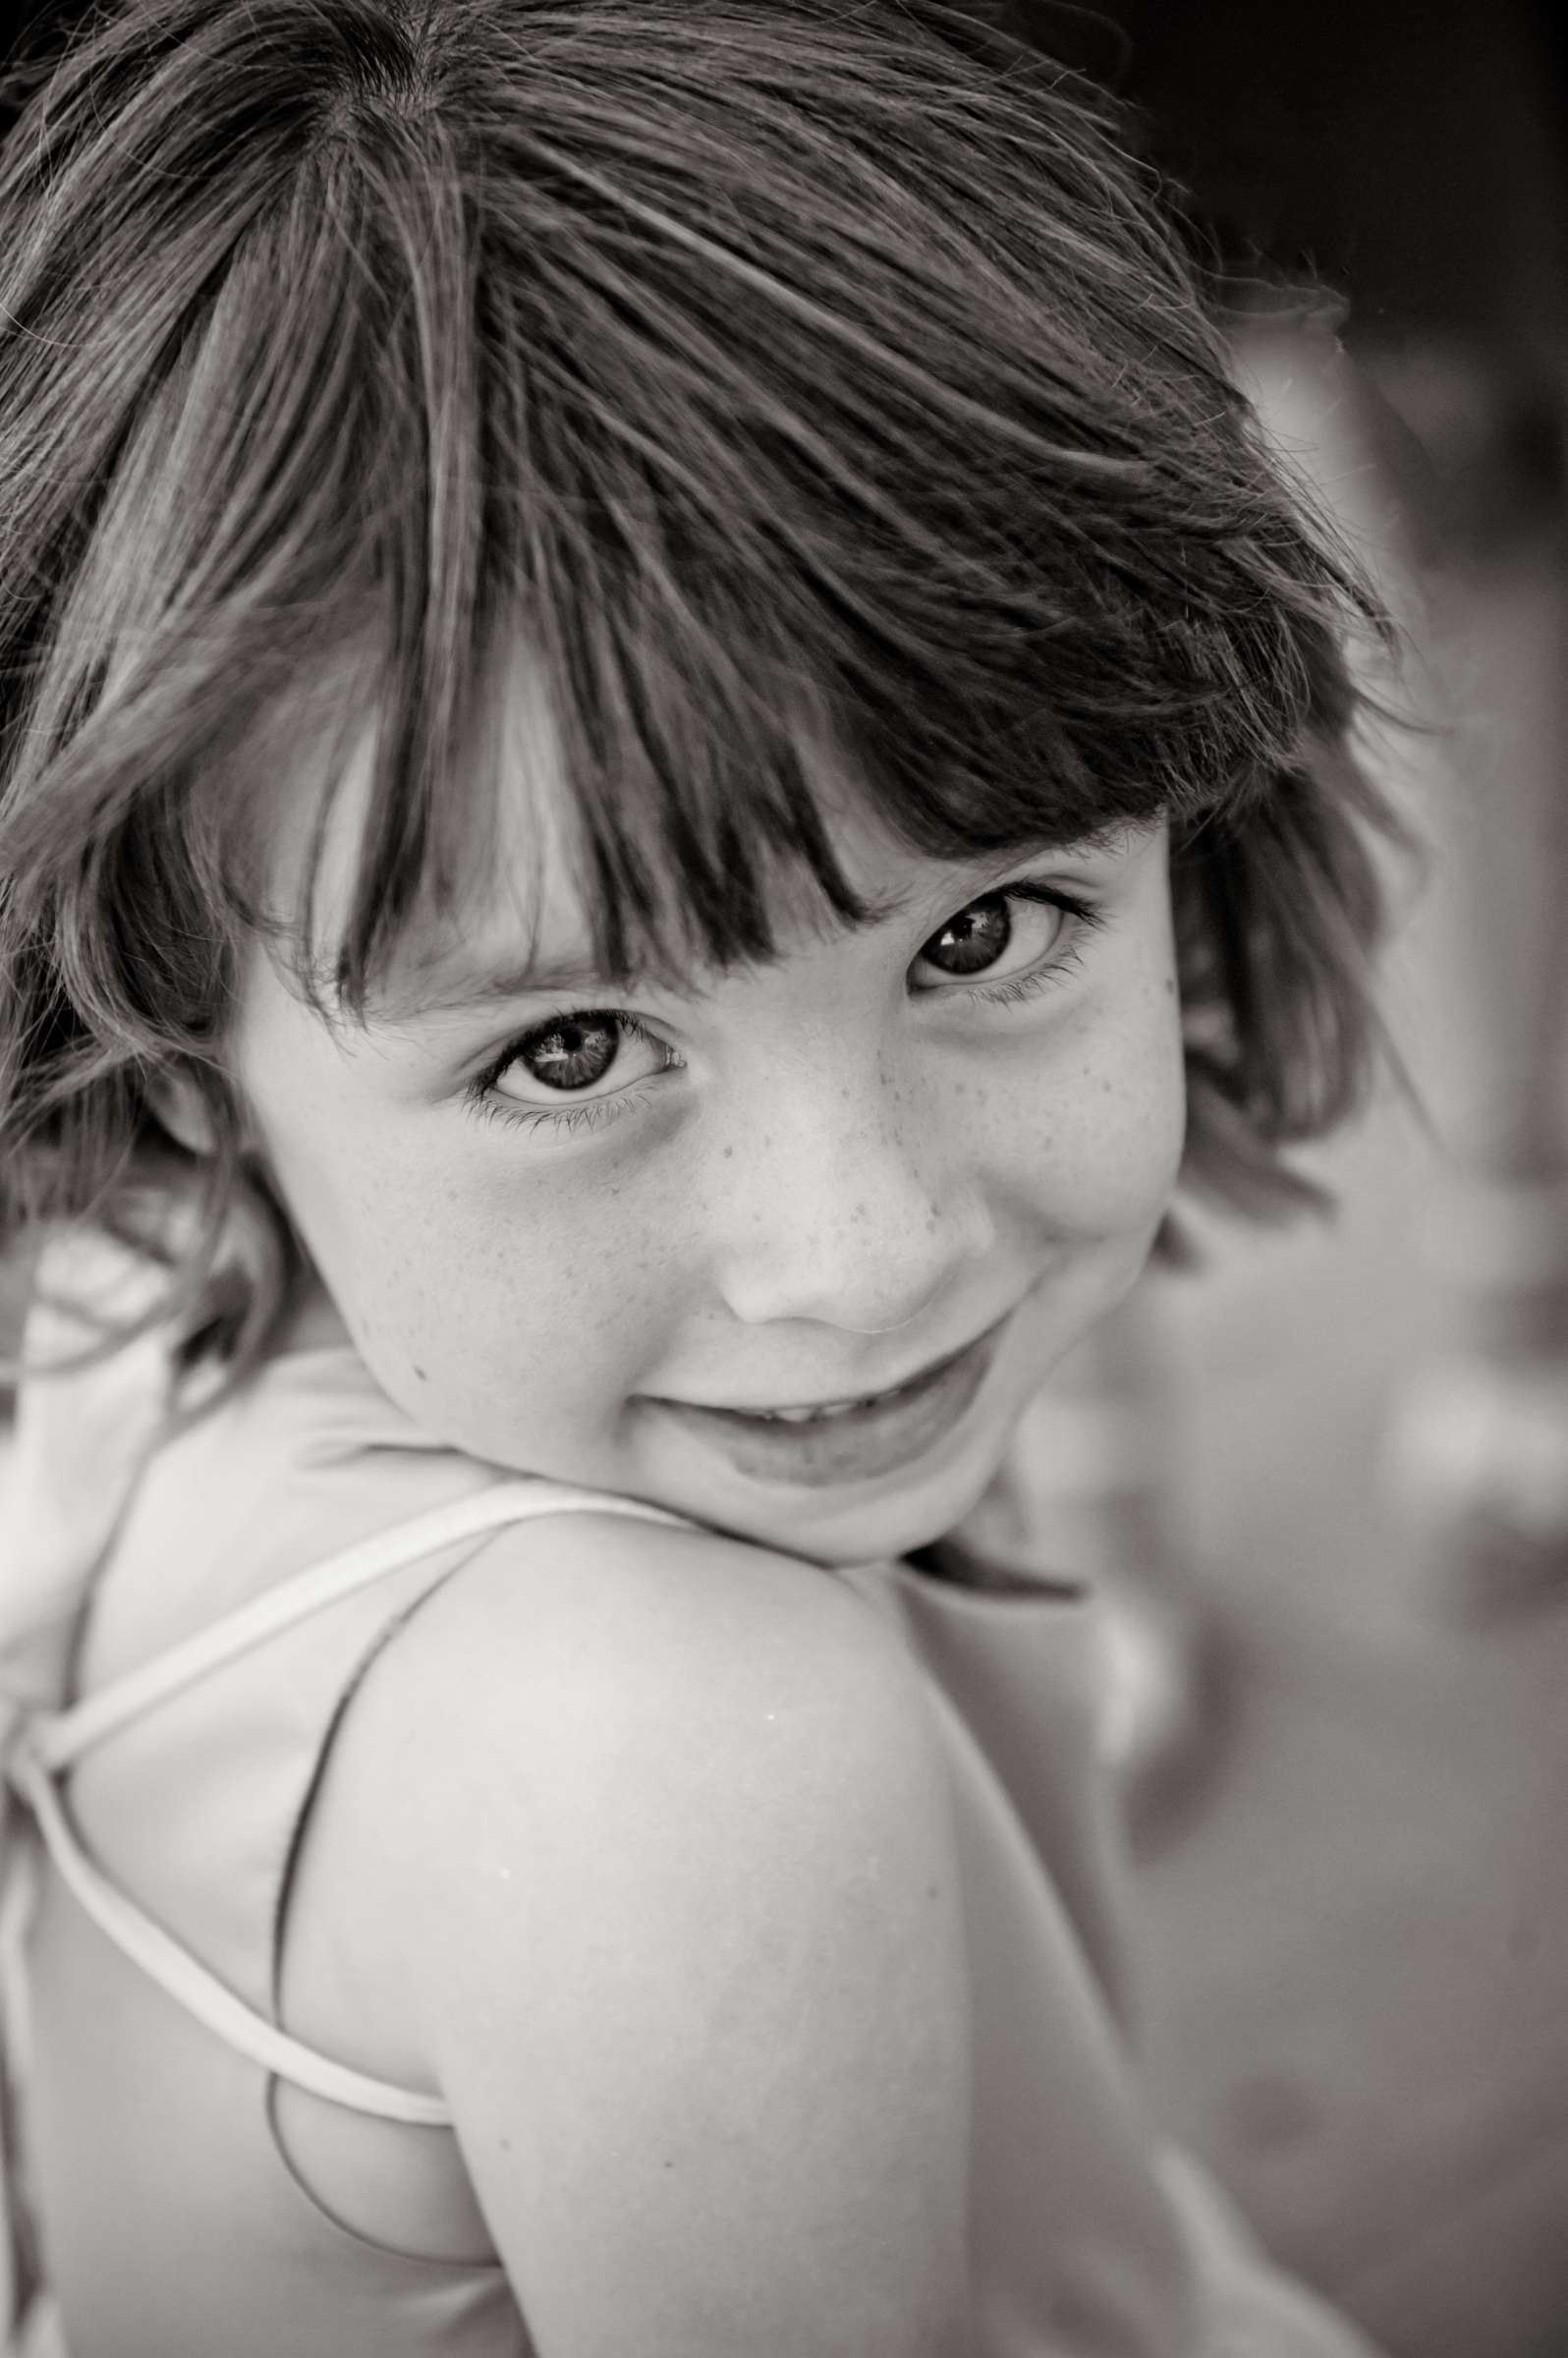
668, 752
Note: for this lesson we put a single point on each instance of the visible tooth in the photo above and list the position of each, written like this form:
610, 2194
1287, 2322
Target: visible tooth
810, 1416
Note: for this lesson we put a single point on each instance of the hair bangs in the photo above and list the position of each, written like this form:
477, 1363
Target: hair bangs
813, 402
678, 414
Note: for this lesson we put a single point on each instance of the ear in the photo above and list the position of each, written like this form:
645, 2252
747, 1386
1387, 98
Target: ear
183, 1112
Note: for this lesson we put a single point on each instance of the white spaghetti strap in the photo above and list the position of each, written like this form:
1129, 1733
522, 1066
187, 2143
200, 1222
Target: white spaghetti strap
58, 1738
191, 1985
51, 1741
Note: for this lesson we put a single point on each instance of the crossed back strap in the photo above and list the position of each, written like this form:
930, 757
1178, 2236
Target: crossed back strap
51, 1741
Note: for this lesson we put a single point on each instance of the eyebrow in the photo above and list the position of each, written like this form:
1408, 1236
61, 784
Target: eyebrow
456, 988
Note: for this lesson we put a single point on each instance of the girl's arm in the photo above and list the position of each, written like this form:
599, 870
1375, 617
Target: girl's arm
684, 1944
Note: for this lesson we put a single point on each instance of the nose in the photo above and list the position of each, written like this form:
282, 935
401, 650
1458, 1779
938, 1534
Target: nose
847, 1206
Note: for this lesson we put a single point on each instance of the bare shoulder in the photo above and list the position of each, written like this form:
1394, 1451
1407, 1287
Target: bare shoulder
568, 1643
616, 1706
687, 1952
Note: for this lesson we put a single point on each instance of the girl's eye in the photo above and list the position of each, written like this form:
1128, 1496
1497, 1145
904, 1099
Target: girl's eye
571, 1057
1016, 938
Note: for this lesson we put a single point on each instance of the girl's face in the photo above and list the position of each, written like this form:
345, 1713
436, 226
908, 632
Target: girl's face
634, 1238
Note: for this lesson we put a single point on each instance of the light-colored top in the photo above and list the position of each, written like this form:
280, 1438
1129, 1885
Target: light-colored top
294, 1531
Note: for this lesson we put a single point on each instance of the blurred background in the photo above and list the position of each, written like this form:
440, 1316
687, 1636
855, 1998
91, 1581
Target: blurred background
1324, 1479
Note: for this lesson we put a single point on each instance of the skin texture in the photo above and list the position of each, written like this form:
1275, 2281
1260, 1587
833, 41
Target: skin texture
812, 1180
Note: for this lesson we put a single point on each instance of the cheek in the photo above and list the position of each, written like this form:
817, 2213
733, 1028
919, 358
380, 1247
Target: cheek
478, 1288
1142, 1127
439, 1250
1098, 1149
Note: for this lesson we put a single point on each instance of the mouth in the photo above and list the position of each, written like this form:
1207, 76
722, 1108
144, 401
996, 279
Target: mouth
844, 1441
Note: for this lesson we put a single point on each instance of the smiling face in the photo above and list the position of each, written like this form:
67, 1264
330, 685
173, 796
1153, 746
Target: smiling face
608, 1233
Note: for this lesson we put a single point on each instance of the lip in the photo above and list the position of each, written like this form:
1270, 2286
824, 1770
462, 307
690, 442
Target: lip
850, 1444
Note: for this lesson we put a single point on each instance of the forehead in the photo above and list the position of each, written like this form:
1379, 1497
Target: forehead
516, 891
501, 903
307, 770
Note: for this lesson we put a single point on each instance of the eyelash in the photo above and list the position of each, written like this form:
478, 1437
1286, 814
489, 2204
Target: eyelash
597, 1112
590, 1113
1087, 919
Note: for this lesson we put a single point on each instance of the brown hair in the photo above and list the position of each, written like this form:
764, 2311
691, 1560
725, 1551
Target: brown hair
800, 357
